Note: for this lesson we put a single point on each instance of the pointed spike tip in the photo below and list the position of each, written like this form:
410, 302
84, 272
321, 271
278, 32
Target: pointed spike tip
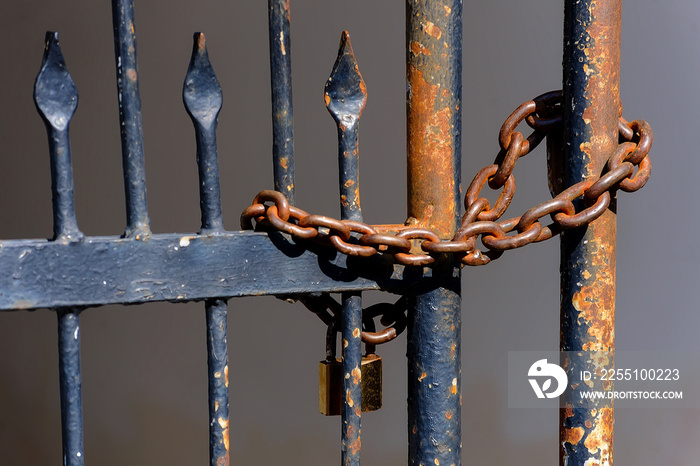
345, 91
200, 41
55, 94
345, 40
50, 38
52, 49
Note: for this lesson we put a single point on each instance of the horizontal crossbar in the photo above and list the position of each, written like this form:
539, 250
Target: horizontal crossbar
179, 268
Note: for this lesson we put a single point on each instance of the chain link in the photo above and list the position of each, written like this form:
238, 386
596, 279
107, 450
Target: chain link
628, 169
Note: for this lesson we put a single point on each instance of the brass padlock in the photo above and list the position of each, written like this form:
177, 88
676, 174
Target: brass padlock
330, 380
330, 385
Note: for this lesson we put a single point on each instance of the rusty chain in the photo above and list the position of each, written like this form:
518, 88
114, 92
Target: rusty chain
628, 169
393, 317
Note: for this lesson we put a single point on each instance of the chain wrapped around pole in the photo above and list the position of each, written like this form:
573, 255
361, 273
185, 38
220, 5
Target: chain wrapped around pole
628, 168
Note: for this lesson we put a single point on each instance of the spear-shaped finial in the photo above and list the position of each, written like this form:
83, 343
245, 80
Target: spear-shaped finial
346, 95
55, 94
203, 99
56, 99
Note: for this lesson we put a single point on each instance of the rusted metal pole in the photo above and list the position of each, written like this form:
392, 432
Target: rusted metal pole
434, 96
591, 107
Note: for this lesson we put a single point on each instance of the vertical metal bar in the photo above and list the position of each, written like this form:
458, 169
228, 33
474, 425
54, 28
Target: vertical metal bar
282, 109
138, 224
434, 96
70, 386
203, 99
56, 99
217, 364
591, 106
346, 95
352, 378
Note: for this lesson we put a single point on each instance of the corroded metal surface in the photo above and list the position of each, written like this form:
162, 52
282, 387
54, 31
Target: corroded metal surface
409, 245
591, 107
434, 99
217, 367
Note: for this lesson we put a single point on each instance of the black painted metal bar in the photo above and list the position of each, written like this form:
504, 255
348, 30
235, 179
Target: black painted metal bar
217, 365
180, 267
70, 380
138, 224
434, 102
282, 108
346, 95
591, 106
203, 100
351, 412
56, 99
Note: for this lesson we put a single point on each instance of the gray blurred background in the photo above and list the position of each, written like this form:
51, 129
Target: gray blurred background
144, 367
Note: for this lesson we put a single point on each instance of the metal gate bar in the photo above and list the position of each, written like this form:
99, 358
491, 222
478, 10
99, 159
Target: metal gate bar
592, 109
434, 104
282, 108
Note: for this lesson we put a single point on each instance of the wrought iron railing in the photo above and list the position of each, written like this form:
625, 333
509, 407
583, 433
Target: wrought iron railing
304, 257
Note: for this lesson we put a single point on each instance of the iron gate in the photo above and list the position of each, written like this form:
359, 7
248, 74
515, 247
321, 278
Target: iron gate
420, 260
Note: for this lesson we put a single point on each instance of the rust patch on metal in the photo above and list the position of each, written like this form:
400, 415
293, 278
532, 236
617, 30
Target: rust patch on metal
224, 434
356, 375
348, 399
596, 303
355, 446
573, 435
599, 441
223, 460
226, 376
568, 410
417, 48
430, 156
431, 29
